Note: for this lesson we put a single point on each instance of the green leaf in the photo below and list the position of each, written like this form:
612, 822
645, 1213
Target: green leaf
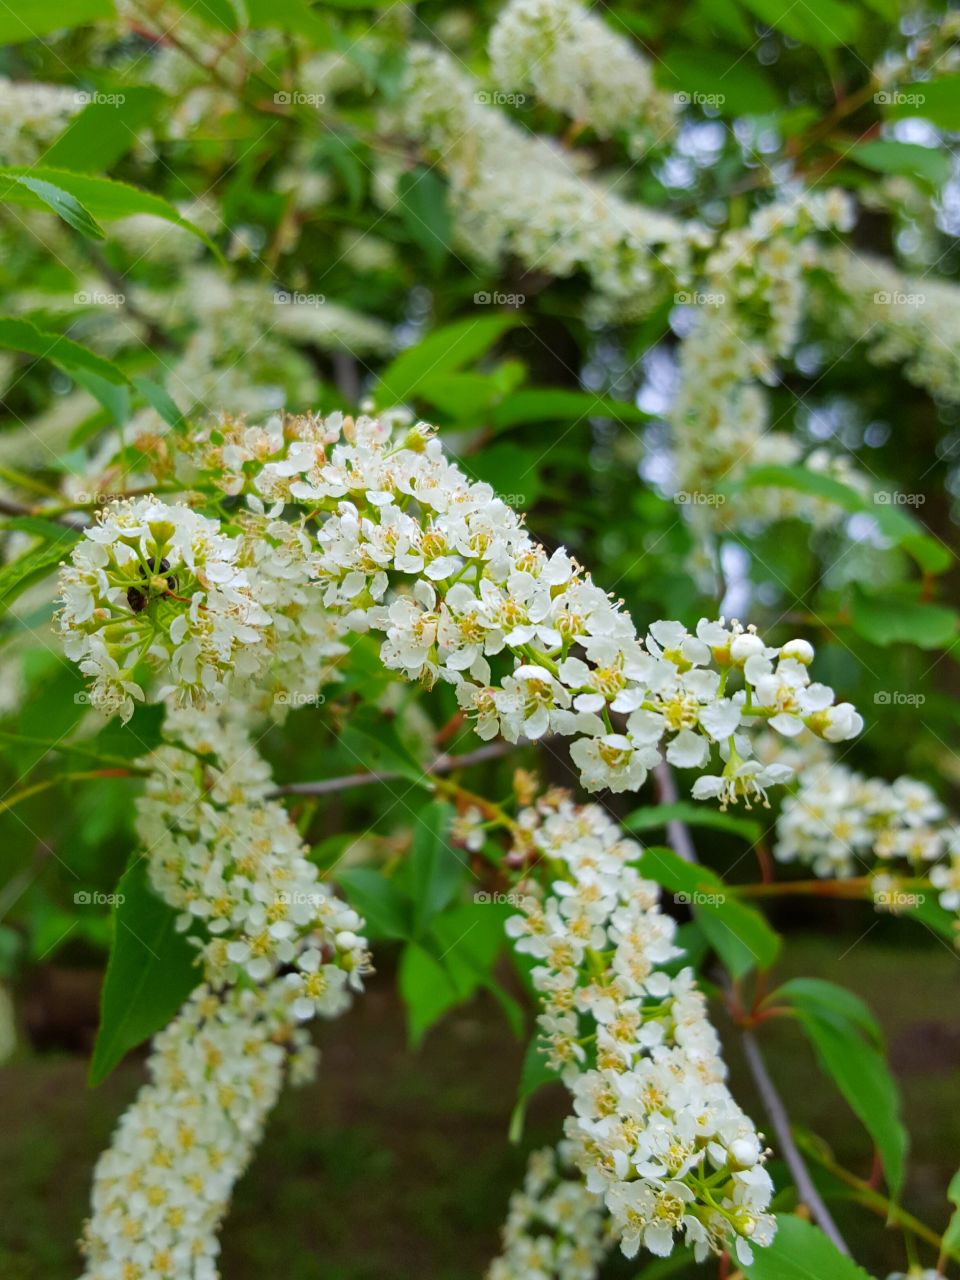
422, 197
443, 351
141, 734
62, 203
150, 973
951, 1237
161, 401
105, 130
895, 618
937, 100
800, 1251
536, 1074
435, 869
427, 990
21, 335
737, 932
825, 25
101, 197
33, 566
371, 740
295, 16
562, 406
909, 158
694, 815
819, 996
30, 19
893, 521
711, 78
860, 1072
378, 900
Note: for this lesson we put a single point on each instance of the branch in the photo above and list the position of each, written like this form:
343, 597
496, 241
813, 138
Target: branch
678, 833
781, 1127
442, 764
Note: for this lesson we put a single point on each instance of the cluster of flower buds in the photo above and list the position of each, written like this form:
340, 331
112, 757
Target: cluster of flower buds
655, 1130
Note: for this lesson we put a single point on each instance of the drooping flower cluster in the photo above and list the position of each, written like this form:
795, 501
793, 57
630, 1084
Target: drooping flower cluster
555, 1229
157, 584
164, 1184
528, 641
748, 313
231, 860
842, 823
655, 1130
514, 193
31, 116
575, 63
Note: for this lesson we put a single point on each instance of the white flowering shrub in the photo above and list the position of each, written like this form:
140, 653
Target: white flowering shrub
476, 534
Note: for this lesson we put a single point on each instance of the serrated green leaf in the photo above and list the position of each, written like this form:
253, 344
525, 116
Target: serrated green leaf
63, 204
370, 739
895, 618
32, 567
31, 19
105, 130
422, 199
557, 404
435, 869
21, 335
908, 158
161, 401
937, 100
819, 995
150, 974
694, 815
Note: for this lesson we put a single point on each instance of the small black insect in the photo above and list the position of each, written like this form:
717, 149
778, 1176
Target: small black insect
137, 599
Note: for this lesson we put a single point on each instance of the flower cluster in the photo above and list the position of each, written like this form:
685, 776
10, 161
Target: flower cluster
512, 193
225, 856
842, 824
655, 1130
755, 295
572, 60
163, 1186
555, 1229
529, 642
159, 585
31, 115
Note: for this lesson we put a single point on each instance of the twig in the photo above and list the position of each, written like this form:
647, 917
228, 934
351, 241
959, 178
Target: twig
678, 833
442, 764
781, 1126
